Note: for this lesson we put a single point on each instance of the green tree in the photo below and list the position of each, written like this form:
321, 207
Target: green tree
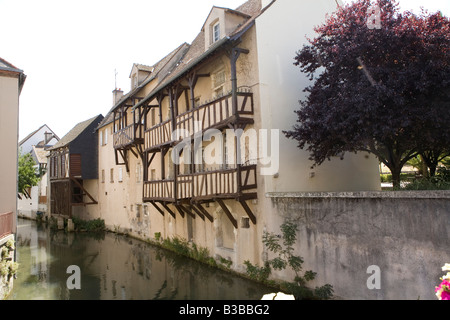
381, 90
27, 174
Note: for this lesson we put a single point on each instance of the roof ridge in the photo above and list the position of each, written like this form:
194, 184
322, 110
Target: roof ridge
75, 132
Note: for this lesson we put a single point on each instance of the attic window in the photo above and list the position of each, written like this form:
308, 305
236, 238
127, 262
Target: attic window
216, 32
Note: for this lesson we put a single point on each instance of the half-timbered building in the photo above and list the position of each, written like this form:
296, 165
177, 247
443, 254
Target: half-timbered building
203, 141
73, 169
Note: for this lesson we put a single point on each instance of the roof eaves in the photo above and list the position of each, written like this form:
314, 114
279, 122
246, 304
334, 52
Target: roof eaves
216, 46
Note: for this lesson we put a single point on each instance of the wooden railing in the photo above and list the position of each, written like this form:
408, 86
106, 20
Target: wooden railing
6, 224
159, 190
223, 183
124, 137
207, 185
158, 135
214, 114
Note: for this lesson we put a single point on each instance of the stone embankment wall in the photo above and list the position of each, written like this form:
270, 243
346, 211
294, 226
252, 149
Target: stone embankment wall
404, 234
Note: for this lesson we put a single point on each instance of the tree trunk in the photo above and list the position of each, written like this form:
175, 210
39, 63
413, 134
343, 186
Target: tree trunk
396, 172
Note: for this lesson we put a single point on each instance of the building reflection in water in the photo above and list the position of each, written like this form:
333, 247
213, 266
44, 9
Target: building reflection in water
116, 267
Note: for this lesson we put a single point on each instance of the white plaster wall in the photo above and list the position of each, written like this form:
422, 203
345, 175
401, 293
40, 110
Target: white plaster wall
39, 136
9, 109
281, 32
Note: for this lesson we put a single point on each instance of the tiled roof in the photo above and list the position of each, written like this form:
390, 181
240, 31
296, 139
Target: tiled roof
5, 65
197, 53
34, 132
40, 154
160, 70
75, 132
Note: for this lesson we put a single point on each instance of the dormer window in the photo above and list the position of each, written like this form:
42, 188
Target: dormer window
216, 32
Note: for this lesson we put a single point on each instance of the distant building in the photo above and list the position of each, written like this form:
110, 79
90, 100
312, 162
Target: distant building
236, 76
73, 169
34, 201
12, 80
43, 137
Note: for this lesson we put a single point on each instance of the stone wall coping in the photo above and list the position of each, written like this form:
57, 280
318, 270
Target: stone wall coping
426, 194
5, 239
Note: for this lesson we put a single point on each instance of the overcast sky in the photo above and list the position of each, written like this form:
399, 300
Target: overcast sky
70, 50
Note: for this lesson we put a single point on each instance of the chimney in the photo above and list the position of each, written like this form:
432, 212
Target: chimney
117, 95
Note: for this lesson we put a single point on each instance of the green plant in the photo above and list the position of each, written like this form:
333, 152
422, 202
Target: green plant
27, 176
260, 274
8, 268
225, 262
190, 250
441, 181
13, 267
157, 236
10, 244
283, 248
4, 252
89, 225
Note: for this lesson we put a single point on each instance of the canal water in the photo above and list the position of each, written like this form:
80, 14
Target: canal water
115, 267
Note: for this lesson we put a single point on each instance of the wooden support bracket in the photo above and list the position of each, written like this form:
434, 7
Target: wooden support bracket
157, 208
248, 210
227, 212
201, 215
168, 210
188, 211
204, 212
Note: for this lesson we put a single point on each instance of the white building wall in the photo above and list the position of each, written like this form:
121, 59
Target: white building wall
281, 32
39, 136
9, 109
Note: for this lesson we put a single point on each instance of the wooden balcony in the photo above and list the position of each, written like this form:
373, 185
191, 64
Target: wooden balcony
128, 136
159, 191
158, 136
216, 114
6, 224
234, 183
224, 184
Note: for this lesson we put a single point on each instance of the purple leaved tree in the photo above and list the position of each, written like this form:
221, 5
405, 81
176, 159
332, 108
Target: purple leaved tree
383, 89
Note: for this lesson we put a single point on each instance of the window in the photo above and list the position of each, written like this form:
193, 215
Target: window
216, 32
153, 175
219, 80
106, 137
120, 175
103, 137
245, 223
153, 116
138, 173
112, 176
103, 176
